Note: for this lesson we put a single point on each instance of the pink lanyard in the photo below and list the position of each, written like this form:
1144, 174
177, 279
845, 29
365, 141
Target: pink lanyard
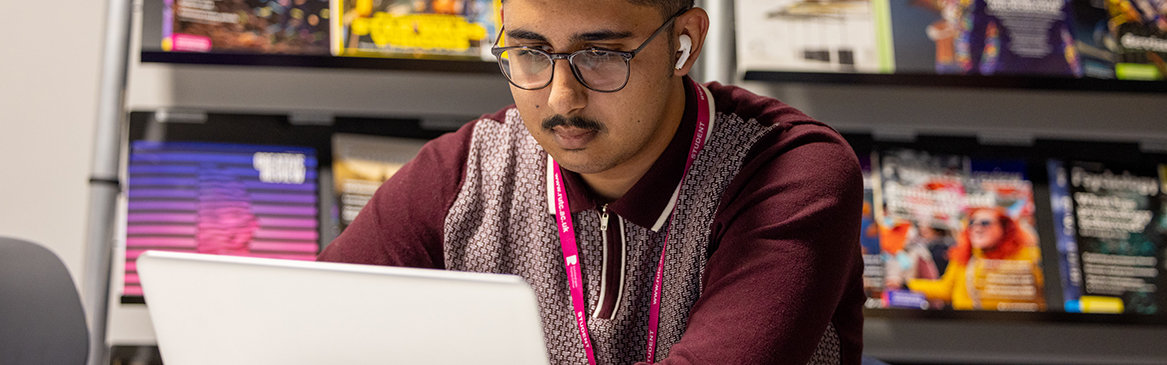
571, 247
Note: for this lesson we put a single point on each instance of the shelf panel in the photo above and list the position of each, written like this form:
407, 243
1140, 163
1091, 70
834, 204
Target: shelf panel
962, 81
398, 64
1019, 317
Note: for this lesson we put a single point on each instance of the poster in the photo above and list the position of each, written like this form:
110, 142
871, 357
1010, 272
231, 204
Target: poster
223, 199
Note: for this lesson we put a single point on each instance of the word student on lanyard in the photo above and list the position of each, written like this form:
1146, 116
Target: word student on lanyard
571, 248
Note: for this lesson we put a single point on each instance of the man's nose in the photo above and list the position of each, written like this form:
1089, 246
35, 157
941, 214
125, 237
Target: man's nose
567, 95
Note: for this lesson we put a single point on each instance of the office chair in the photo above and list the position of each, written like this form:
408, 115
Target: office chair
41, 320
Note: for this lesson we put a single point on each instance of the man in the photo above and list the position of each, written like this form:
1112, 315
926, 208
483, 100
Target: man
759, 204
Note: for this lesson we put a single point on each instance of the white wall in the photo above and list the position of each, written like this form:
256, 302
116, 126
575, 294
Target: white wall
49, 59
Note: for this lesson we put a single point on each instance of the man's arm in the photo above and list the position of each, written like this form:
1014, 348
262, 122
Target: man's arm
786, 261
402, 224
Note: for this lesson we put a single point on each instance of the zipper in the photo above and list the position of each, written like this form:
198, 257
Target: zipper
613, 265
604, 219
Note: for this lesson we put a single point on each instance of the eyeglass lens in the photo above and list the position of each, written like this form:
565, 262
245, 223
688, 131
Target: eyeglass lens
598, 69
981, 223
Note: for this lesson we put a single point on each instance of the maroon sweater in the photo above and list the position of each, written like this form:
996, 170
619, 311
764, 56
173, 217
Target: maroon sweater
773, 205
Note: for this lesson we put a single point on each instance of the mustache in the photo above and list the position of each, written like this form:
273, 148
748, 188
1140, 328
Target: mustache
572, 122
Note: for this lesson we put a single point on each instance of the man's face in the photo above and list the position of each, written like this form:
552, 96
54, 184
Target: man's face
584, 130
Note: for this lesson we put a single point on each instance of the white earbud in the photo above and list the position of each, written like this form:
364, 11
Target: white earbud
686, 45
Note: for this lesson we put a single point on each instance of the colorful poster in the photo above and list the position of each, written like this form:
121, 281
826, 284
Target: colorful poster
1119, 228
223, 199
247, 26
958, 233
361, 163
439, 29
814, 36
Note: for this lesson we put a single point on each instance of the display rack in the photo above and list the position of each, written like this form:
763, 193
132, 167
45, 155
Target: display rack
716, 63
962, 81
396, 64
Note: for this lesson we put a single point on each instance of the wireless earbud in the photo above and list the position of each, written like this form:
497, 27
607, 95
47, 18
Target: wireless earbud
686, 45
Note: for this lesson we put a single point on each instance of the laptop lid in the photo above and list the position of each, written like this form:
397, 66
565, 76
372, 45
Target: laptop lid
210, 309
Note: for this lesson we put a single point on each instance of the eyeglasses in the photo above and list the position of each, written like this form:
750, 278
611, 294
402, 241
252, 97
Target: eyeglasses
982, 223
597, 69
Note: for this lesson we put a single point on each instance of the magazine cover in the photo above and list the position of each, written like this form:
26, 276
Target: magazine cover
987, 37
921, 198
360, 163
438, 29
873, 270
1118, 224
1003, 252
251, 26
814, 36
223, 199
1096, 45
1140, 29
958, 233
1065, 230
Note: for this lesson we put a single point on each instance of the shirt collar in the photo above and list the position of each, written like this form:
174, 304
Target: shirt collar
646, 202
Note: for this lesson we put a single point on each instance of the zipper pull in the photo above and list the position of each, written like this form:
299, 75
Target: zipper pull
604, 218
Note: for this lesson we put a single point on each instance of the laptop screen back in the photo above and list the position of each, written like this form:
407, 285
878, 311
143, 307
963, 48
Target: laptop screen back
211, 309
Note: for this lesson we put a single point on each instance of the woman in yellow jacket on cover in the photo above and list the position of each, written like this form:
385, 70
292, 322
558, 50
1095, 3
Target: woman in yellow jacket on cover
995, 265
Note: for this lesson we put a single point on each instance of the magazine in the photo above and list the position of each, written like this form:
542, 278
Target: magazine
252, 26
873, 270
814, 36
957, 233
1113, 262
360, 163
987, 37
433, 29
223, 199
1139, 28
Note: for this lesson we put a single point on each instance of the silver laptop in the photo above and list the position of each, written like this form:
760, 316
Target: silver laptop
210, 309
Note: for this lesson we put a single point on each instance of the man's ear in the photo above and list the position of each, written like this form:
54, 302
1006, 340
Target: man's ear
694, 24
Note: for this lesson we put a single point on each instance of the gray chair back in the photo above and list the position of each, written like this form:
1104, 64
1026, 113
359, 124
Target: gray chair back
41, 320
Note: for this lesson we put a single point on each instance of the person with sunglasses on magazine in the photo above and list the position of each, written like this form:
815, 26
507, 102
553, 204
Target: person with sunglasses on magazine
658, 220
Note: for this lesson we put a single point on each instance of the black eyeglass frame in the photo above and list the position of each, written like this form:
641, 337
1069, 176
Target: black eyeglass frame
570, 57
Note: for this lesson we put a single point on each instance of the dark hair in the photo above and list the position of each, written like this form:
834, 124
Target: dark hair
667, 7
